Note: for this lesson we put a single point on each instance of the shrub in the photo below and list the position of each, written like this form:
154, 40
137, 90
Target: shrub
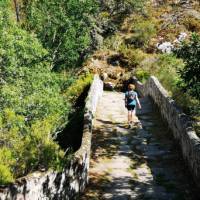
31, 104
5, 174
189, 104
189, 85
7, 161
78, 86
190, 74
143, 31
133, 56
63, 28
113, 43
104, 15
191, 24
167, 66
164, 67
142, 75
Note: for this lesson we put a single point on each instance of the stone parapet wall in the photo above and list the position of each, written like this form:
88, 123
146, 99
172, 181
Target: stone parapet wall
178, 122
69, 183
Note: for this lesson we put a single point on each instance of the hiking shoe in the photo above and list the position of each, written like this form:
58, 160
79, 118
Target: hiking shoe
139, 125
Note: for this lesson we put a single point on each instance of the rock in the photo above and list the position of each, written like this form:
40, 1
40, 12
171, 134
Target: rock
146, 123
117, 59
103, 76
165, 47
113, 75
193, 13
109, 86
181, 38
154, 151
97, 39
143, 134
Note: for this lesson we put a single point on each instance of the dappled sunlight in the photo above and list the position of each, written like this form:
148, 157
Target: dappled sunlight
138, 163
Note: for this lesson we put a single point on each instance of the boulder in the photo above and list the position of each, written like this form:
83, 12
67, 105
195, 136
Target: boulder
109, 86
103, 76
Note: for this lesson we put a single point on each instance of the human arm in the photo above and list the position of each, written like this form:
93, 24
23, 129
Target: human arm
125, 100
138, 102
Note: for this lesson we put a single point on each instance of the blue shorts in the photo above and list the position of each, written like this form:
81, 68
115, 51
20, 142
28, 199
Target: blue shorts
130, 107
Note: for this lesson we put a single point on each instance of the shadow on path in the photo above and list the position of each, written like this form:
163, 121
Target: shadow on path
142, 163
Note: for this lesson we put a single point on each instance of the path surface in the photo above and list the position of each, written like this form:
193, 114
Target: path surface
138, 163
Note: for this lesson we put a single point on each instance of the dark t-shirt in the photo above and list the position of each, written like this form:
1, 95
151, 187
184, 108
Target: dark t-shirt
131, 97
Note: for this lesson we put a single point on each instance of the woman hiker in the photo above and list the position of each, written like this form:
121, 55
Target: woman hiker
131, 100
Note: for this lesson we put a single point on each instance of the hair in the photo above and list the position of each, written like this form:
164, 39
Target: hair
131, 87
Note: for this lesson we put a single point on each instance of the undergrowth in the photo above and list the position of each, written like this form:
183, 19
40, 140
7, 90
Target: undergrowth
24, 153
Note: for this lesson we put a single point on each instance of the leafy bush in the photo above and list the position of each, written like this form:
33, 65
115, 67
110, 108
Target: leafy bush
31, 104
116, 7
190, 74
192, 24
78, 86
144, 31
142, 75
113, 43
6, 163
63, 27
28, 86
189, 104
167, 66
164, 67
134, 56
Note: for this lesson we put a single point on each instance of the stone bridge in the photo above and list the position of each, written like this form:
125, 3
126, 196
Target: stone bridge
143, 162
158, 159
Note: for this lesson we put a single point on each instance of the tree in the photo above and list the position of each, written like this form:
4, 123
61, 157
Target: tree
31, 104
190, 74
17, 10
62, 26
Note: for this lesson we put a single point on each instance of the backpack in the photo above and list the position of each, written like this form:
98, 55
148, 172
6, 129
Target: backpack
131, 96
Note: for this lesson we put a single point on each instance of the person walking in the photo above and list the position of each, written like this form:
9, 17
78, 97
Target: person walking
131, 100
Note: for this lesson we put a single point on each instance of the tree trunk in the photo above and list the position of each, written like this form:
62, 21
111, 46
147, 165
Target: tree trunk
17, 10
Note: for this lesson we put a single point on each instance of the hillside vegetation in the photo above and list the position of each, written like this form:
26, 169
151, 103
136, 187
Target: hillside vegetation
42, 47
161, 39
34, 98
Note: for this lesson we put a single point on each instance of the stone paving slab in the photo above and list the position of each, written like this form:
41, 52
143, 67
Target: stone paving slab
139, 163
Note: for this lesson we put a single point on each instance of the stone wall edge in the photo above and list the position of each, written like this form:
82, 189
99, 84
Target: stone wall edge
177, 121
69, 183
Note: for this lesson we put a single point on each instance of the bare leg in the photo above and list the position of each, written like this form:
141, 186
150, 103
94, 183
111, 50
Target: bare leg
133, 114
130, 118
134, 111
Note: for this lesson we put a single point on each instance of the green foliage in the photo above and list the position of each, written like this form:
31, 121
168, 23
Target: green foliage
164, 67
144, 31
189, 104
62, 26
114, 12
133, 56
166, 70
191, 23
31, 104
5, 174
78, 86
142, 75
123, 6
190, 74
6, 163
113, 42
28, 86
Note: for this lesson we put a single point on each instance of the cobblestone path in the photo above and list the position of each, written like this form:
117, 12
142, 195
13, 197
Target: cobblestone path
141, 163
